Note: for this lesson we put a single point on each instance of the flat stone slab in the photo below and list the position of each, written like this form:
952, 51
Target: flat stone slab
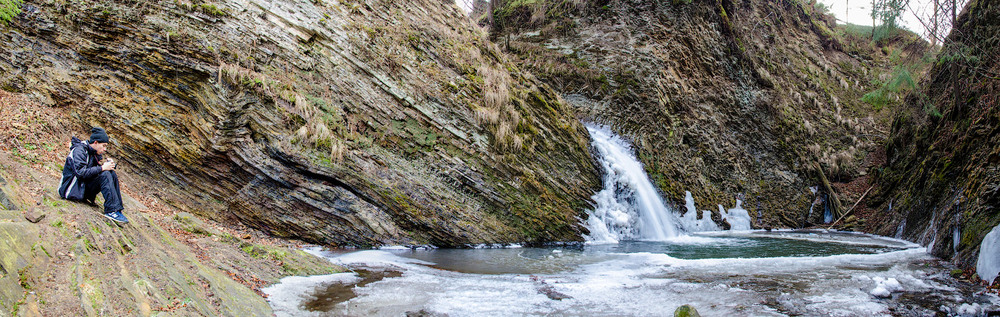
34, 215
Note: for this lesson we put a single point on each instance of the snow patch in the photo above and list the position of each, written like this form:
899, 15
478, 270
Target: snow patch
286, 296
738, 217
884, 287
394, 247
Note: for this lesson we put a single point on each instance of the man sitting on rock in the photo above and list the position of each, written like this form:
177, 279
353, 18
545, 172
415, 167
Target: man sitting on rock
84, 175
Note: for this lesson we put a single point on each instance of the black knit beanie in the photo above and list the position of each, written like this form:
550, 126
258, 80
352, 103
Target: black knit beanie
98, 134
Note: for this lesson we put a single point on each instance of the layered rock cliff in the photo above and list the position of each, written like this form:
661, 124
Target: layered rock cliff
725, 99
940, 184
338, 122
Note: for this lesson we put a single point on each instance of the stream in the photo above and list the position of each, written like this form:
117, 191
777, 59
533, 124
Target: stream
642, 258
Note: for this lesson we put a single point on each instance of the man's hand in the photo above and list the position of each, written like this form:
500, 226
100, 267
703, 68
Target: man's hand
108, 165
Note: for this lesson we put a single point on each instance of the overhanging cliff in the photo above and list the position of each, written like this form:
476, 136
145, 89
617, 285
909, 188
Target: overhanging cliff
352, 122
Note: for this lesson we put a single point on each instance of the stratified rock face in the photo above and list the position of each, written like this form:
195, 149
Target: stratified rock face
722, 98
941, 186
352, 122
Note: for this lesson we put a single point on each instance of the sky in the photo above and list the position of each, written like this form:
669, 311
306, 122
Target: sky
852, 11
465, 4
859, 12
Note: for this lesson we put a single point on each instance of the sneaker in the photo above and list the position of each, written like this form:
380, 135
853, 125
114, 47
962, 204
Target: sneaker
117, 216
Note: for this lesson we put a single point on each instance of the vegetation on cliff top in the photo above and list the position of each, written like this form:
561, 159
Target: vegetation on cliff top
9, 9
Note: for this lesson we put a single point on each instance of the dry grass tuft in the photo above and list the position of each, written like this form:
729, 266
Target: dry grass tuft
337, 150
838, 163
498, 113
503, 131
304, 108
496, 91
487, 116
238, 75
315, 131
809, 127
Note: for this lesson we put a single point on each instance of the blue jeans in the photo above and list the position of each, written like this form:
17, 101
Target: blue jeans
106, 183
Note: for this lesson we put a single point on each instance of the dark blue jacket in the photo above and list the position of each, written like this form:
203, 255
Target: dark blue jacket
82, 165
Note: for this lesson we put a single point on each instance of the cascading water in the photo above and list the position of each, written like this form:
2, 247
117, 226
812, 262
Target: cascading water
629, 207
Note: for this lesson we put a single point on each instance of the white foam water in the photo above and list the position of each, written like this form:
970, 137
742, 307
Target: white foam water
629, 207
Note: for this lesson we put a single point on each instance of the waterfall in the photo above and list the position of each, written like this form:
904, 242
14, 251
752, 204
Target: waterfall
629, 207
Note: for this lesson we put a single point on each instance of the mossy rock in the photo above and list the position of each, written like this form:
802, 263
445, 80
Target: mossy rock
192, 224
15, 244
686, 311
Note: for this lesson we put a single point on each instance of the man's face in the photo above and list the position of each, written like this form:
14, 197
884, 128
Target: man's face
99, 147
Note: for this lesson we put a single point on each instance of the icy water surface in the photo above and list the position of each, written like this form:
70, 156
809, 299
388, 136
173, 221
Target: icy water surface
723, 274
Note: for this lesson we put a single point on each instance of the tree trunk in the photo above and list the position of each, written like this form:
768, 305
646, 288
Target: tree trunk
874, 25
935, 23
490, 15
837, 208
954, 65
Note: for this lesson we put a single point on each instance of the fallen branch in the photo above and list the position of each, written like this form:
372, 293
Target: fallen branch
852, 207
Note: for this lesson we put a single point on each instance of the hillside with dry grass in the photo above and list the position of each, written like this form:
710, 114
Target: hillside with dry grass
59, 258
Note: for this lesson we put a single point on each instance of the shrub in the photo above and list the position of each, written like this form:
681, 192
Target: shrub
900, 82
9, 9
821, 8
